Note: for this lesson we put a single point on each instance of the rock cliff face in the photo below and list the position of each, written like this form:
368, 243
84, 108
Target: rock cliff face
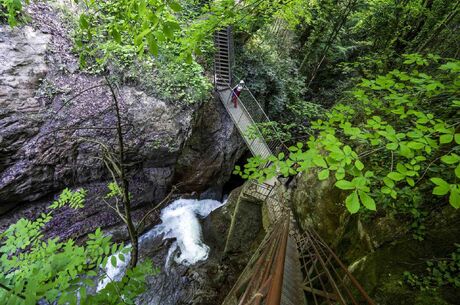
377, 247
55, 119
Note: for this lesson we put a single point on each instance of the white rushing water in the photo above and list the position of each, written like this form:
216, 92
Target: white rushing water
179, 220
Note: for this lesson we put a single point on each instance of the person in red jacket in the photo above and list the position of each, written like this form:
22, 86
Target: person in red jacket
236, 91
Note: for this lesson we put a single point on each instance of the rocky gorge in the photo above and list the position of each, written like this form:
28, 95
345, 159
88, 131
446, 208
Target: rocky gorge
60, 127
54, 117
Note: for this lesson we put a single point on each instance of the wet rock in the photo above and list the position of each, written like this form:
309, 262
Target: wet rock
207, 282
245, 225
210, 150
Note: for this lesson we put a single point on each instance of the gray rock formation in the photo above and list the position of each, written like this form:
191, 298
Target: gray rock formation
22, 67
54, 118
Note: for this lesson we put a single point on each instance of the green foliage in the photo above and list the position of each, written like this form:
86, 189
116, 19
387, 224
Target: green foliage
140, 42
383, 143
270, 131
75, 199
137, 26
271, 75
179, 81
114, 190
439, 273
11, 11
34, 269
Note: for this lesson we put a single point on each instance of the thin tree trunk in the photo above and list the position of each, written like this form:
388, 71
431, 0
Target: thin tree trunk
133, 234
331, 39
438, 29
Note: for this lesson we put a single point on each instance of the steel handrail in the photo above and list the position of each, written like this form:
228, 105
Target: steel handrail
261, 281
264, 114
261, 138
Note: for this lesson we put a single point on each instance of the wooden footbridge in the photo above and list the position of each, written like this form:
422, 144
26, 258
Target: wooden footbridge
291, 266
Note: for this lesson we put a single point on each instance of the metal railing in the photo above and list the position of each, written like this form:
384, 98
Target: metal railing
326, 279
259, 117
261, 282
223, 58
261, 191
224, 79
257, 145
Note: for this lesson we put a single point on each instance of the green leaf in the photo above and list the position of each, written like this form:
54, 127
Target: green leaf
457, 171
450, 159
189, 58
121, 257
388, 182
442, 187
113, 261
405, 151
392, 146
175, 6
340, 173
168, 30
345, 185
153, 46
367, 200
116, 35
352, 202
319, 161
385, 190
401, 168
446, 138
138, 38
84, 24
457, 138
415, 145
438, 181
395, 176
454, 198
410, 181
323, 175
359, 165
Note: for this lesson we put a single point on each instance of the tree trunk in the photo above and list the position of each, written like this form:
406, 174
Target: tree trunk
133, 234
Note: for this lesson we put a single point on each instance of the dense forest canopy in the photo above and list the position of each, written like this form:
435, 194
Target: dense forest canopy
366, 92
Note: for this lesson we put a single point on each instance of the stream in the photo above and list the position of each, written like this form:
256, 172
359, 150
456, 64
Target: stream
179, 221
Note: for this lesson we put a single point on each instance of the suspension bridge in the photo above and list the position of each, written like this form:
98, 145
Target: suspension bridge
291, 266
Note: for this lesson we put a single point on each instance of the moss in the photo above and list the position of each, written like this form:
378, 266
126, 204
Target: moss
393, 292
265, 217
245, 225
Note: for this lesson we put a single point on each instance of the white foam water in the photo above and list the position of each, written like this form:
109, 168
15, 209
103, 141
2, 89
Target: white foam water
179, 220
